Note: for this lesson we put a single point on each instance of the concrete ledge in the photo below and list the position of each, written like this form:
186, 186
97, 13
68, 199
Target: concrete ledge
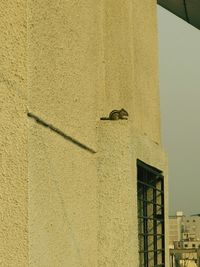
117, 235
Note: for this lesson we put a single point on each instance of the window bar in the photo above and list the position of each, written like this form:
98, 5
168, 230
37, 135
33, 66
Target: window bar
163, 225
155, 229
146, 184
145, 228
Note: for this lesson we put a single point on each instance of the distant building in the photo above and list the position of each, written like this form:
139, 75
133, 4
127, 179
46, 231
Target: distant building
175, 225
192, 225
184, 231
184, 237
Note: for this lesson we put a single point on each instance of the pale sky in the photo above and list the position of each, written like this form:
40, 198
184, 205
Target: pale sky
179, 57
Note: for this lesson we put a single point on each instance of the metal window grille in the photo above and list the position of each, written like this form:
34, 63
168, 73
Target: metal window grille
151, 229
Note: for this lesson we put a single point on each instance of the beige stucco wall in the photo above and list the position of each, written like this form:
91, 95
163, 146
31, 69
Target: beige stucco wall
84, 58
117, 180
13, 135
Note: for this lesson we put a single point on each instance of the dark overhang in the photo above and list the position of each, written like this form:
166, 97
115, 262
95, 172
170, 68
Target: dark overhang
189, 10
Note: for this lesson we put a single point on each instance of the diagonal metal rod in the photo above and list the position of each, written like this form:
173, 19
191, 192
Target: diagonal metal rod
56, 130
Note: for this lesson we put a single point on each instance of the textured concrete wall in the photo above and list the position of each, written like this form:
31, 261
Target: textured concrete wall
147, 111
84, 58
130, 60
64, 69
117, 236
120, 147
13, 135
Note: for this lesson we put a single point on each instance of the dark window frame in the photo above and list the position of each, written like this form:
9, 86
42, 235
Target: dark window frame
151, 223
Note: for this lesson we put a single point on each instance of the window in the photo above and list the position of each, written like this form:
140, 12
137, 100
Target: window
193, 245
150, 186
186, 245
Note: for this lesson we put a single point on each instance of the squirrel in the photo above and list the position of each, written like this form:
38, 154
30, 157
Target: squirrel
117, 115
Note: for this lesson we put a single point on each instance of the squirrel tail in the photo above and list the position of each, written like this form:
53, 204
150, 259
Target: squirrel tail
104, 118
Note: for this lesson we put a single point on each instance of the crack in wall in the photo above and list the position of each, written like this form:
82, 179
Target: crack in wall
61, 133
